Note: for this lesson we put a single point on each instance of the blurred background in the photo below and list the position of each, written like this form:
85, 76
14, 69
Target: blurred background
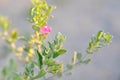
78, 20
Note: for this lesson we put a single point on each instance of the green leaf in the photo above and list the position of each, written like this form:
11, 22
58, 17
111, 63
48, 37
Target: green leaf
35, 28
86, 61
4, 23
27, 48
50, 62
40, 74
29, 69
55, 68
100, 34
60, 37
40, 58
35, 2
69, 66
50, 8
51, 46
79, 56
12, 65
4, 72
59, 74
61, 51
14, 34
44, 50
108, 37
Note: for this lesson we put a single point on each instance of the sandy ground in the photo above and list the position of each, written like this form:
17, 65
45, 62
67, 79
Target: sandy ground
78, 20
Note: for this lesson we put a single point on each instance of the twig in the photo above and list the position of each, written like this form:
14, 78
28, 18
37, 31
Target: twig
65, 71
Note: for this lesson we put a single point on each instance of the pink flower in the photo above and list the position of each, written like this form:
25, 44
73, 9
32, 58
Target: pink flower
45, 29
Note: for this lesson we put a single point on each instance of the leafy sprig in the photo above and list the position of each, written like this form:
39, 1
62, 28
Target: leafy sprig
39, 53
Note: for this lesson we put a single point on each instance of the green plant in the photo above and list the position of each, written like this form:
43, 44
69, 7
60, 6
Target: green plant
38, 54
